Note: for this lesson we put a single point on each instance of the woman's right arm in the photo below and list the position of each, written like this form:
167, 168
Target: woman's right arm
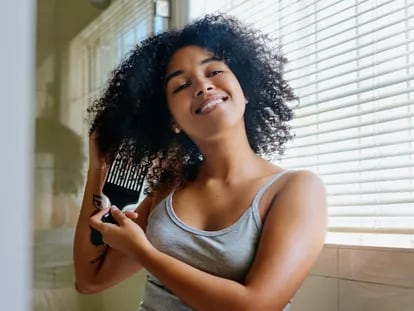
100, 267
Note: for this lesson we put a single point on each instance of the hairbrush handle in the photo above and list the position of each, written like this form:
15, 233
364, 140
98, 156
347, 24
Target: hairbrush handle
120, 197
96, 236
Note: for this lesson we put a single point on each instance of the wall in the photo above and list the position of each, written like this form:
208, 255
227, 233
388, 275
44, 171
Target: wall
17, 20
347, 278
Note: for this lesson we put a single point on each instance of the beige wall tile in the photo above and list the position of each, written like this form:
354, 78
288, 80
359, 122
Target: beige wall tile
126, 296
392, 267
43, 180
91, 302
359, 296
316, 293
327, 263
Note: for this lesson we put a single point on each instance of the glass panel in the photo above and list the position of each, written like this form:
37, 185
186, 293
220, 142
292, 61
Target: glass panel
71, 71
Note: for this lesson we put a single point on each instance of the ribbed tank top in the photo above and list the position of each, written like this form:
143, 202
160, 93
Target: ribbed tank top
226, 253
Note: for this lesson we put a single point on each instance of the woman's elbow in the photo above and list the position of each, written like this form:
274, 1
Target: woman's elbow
88, 287
82, 288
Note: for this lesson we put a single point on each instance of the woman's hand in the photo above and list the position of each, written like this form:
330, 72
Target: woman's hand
97, 160
126, 236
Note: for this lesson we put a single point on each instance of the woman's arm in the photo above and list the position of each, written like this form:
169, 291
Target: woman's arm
100, 267
292, 238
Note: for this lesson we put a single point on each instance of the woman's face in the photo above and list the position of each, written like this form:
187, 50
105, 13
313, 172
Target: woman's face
203, 94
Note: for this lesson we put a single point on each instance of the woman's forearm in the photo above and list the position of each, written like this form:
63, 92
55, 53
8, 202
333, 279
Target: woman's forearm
88, 257
100, 267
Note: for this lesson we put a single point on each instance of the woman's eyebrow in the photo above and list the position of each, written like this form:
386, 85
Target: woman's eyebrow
179, 72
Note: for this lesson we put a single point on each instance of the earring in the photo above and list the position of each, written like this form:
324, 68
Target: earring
176, 129
247, 101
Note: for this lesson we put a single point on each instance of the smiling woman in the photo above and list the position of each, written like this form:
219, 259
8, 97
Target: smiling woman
221, 228
133, 109
199, 85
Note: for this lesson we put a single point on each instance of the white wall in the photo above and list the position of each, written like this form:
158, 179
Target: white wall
17, 28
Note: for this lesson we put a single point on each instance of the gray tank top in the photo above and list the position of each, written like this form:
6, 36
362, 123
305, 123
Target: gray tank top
226, 253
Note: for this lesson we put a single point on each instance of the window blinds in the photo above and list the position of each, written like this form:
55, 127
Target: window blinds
351, 63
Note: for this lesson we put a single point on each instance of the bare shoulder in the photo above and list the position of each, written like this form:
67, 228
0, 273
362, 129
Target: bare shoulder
159, 194
292, 237
303, 183
301, 197
146, 206
304, 177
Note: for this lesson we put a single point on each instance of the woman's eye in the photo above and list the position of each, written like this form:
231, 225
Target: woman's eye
181, 87
214, 73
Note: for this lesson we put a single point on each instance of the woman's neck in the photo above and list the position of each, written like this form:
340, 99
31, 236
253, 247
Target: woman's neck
229, 159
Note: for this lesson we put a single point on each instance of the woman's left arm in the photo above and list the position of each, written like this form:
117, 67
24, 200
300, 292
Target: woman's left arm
292, 237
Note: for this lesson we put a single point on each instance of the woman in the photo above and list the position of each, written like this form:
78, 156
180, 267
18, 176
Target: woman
222, 228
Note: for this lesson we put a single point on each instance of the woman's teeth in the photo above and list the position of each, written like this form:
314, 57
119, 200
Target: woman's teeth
209, 105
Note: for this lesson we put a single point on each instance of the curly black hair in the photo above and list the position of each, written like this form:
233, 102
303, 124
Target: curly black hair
132, 119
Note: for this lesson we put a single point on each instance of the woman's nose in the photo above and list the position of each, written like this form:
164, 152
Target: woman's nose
203, 88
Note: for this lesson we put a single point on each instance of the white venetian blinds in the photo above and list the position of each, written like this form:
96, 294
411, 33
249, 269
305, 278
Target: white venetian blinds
351, 63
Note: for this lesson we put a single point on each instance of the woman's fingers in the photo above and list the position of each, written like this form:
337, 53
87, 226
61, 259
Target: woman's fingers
109, 230
95, 220
131, 215
118, 215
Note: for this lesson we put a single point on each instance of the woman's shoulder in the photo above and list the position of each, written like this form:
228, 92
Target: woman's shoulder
304, 177
301, 195
159, 193
294, 182
303, 186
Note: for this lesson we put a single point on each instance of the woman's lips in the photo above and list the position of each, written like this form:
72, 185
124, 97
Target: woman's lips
210, 105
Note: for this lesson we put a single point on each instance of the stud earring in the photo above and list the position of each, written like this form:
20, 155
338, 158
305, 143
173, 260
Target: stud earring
176, 129
247, 101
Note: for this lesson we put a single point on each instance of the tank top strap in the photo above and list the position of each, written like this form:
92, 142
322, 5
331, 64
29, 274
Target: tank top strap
263, 188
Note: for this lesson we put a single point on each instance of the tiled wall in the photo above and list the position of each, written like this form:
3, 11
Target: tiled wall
125, 296
349, 278
344, 279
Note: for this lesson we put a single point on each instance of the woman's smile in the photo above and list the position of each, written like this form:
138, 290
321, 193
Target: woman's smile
210, 104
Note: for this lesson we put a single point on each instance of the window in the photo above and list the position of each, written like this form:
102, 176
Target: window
351, 63
98, 49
